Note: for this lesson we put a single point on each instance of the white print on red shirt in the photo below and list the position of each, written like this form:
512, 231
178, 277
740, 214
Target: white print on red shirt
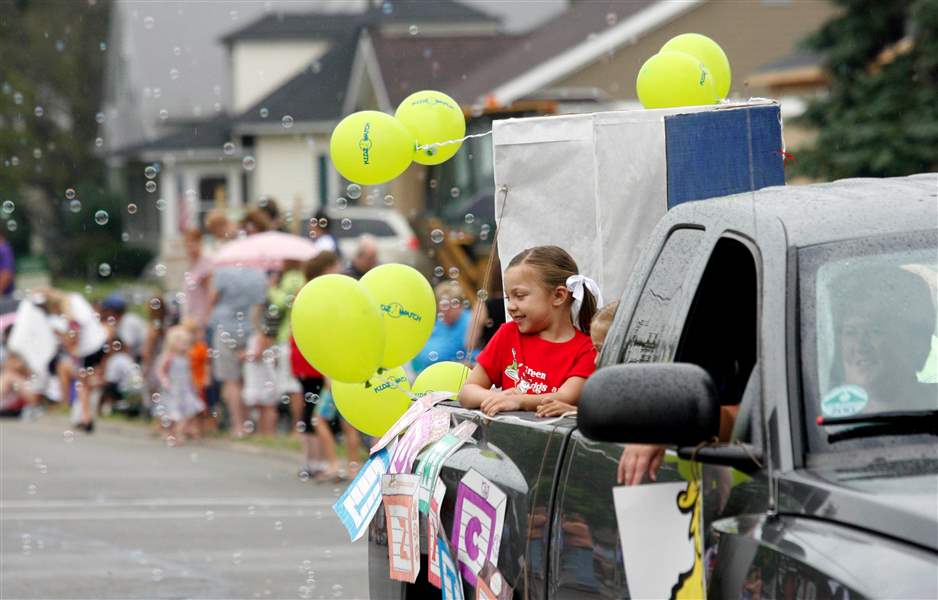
525, 377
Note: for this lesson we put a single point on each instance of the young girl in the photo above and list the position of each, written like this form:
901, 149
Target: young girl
544, 354
260, 379
599, 327
178, 394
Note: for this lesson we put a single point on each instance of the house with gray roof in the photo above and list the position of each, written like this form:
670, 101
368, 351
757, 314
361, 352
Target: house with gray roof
292, 77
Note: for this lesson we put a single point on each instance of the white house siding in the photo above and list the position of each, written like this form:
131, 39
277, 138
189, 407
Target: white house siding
260, 67
288, 171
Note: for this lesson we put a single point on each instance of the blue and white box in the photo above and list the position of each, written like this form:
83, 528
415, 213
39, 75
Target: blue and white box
596, 184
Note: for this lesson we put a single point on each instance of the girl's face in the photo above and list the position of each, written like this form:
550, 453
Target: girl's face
531, 305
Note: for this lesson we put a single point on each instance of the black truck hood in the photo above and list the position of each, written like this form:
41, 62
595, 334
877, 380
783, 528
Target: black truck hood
897, 498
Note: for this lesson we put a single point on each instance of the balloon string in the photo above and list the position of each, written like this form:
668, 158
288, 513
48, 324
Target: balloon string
448, 142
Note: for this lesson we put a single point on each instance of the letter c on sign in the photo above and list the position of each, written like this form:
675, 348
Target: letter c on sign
473, 528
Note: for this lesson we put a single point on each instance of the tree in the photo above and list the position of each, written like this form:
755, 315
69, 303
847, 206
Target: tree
880, 118
51, 83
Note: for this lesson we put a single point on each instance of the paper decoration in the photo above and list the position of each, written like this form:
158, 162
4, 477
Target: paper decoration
420, 406
491, 585
358, 504
659, 528
432, 460
433, 530
403, 525
427, 429
479, 517
450, 579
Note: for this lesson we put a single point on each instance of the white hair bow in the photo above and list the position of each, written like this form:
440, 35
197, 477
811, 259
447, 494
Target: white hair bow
576, 285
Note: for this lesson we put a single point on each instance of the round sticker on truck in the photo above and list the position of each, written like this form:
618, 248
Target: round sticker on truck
844, 401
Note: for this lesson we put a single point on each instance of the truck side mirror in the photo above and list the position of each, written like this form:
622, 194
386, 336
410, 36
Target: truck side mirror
650, 403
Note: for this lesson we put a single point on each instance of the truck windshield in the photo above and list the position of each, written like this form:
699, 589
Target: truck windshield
868, 330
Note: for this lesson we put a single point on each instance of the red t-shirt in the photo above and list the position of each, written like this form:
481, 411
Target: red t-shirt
299, 365
533, 364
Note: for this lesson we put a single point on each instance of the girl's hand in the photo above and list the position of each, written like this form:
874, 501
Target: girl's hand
638, 459
503, 401
554, 408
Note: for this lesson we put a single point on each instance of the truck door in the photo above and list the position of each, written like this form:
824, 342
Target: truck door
586, 557
701, 311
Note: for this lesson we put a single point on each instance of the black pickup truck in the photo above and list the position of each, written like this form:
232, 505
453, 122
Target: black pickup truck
812, 310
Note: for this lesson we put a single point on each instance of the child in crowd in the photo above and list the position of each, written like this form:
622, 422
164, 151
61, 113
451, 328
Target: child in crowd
599, 327
199, 363
327, 421
120, 372
545, 353
451, 330
178, 395
260, 381
16, 389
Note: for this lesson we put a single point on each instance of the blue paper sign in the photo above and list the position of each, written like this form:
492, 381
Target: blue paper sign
449, 577
358, 504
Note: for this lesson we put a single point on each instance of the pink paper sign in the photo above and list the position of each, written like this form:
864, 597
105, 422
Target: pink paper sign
433, 530
420, 405
400, 511
479, 517
428, 428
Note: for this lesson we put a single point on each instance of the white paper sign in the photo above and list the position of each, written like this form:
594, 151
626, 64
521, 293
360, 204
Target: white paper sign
479, 517
658, 535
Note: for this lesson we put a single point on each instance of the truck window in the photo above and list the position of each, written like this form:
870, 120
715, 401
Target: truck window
720, 330
651, 335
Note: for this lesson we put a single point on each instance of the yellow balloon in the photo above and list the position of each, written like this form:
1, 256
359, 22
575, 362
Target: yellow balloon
669, 79
338, 328
710, 54
370, 147
433, 117
445, 376
374, 406
406, 300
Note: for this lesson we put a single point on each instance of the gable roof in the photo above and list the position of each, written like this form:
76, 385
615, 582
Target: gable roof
319, 24
572, 40
295, 26
316, 94
210, 134
411, 63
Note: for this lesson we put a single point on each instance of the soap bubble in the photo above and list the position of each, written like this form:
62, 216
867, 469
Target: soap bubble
70, 194
104, 270
132, 208
470, 218
101, 217
286, 121
248, 163
8, 207
346, 224
354, 191
437, 236
75, 206
150, 172
413, 29
228, 148
150, 186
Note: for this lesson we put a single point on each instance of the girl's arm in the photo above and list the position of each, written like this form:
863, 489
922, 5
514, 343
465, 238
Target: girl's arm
477, 393
569, 392
476, 389
163, 370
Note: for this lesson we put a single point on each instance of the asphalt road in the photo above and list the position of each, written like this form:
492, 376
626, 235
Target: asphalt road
118, 514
